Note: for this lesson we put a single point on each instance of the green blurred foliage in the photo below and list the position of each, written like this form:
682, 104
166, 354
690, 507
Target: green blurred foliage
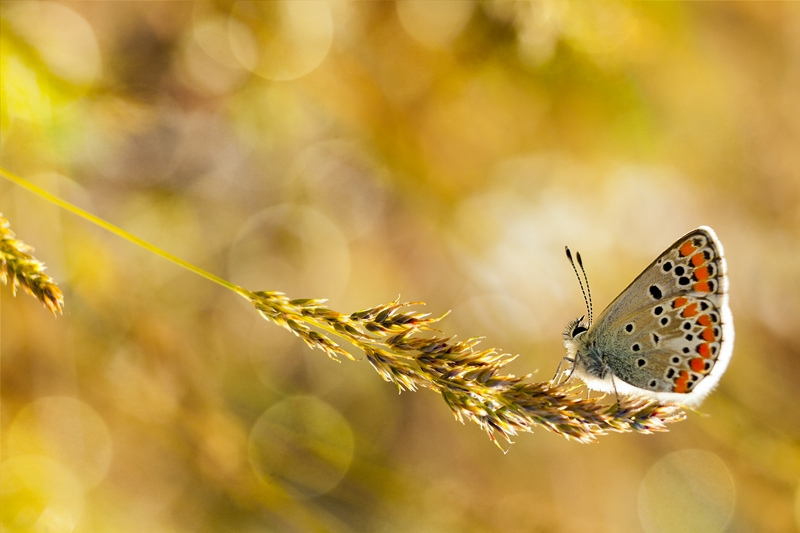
443, 151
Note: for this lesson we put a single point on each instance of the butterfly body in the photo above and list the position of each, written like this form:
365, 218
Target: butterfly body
668, 335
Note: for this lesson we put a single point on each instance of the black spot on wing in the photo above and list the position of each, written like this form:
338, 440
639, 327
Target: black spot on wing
655, 292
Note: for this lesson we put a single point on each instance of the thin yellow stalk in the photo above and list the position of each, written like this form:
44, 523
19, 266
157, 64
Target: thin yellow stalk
118, 231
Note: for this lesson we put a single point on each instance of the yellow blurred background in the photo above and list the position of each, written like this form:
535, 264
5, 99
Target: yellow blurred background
443, 151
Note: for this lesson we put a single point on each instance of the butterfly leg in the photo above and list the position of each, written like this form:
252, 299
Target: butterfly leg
558, 370
614, 384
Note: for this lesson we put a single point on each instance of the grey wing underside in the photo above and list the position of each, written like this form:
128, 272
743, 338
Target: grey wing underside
667, 320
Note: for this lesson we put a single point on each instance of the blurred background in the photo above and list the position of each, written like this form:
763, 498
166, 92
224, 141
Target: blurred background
444, 152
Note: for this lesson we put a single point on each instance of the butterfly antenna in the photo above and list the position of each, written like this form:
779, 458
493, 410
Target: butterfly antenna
588, 290
587, 296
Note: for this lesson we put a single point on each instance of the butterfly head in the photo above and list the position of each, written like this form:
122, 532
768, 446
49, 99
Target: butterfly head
574, 338
575, 328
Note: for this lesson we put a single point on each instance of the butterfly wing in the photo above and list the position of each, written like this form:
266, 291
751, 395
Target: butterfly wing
670, 333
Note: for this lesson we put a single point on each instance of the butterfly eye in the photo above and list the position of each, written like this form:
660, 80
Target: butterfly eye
578, 330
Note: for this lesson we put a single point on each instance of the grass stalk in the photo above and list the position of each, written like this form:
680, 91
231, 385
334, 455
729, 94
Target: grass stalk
19, 267
404, 347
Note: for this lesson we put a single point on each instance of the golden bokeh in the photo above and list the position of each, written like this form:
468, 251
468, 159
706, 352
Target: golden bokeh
442, 152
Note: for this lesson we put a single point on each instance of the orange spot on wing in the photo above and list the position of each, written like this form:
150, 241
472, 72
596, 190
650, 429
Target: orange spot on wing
702, 286
704, 320
680, 383
691, 310
680, 301
708, 335
701, 273
704, 350
698, 364
698, 259
687, 248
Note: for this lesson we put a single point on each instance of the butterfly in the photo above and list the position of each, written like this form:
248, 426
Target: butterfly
668, 335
